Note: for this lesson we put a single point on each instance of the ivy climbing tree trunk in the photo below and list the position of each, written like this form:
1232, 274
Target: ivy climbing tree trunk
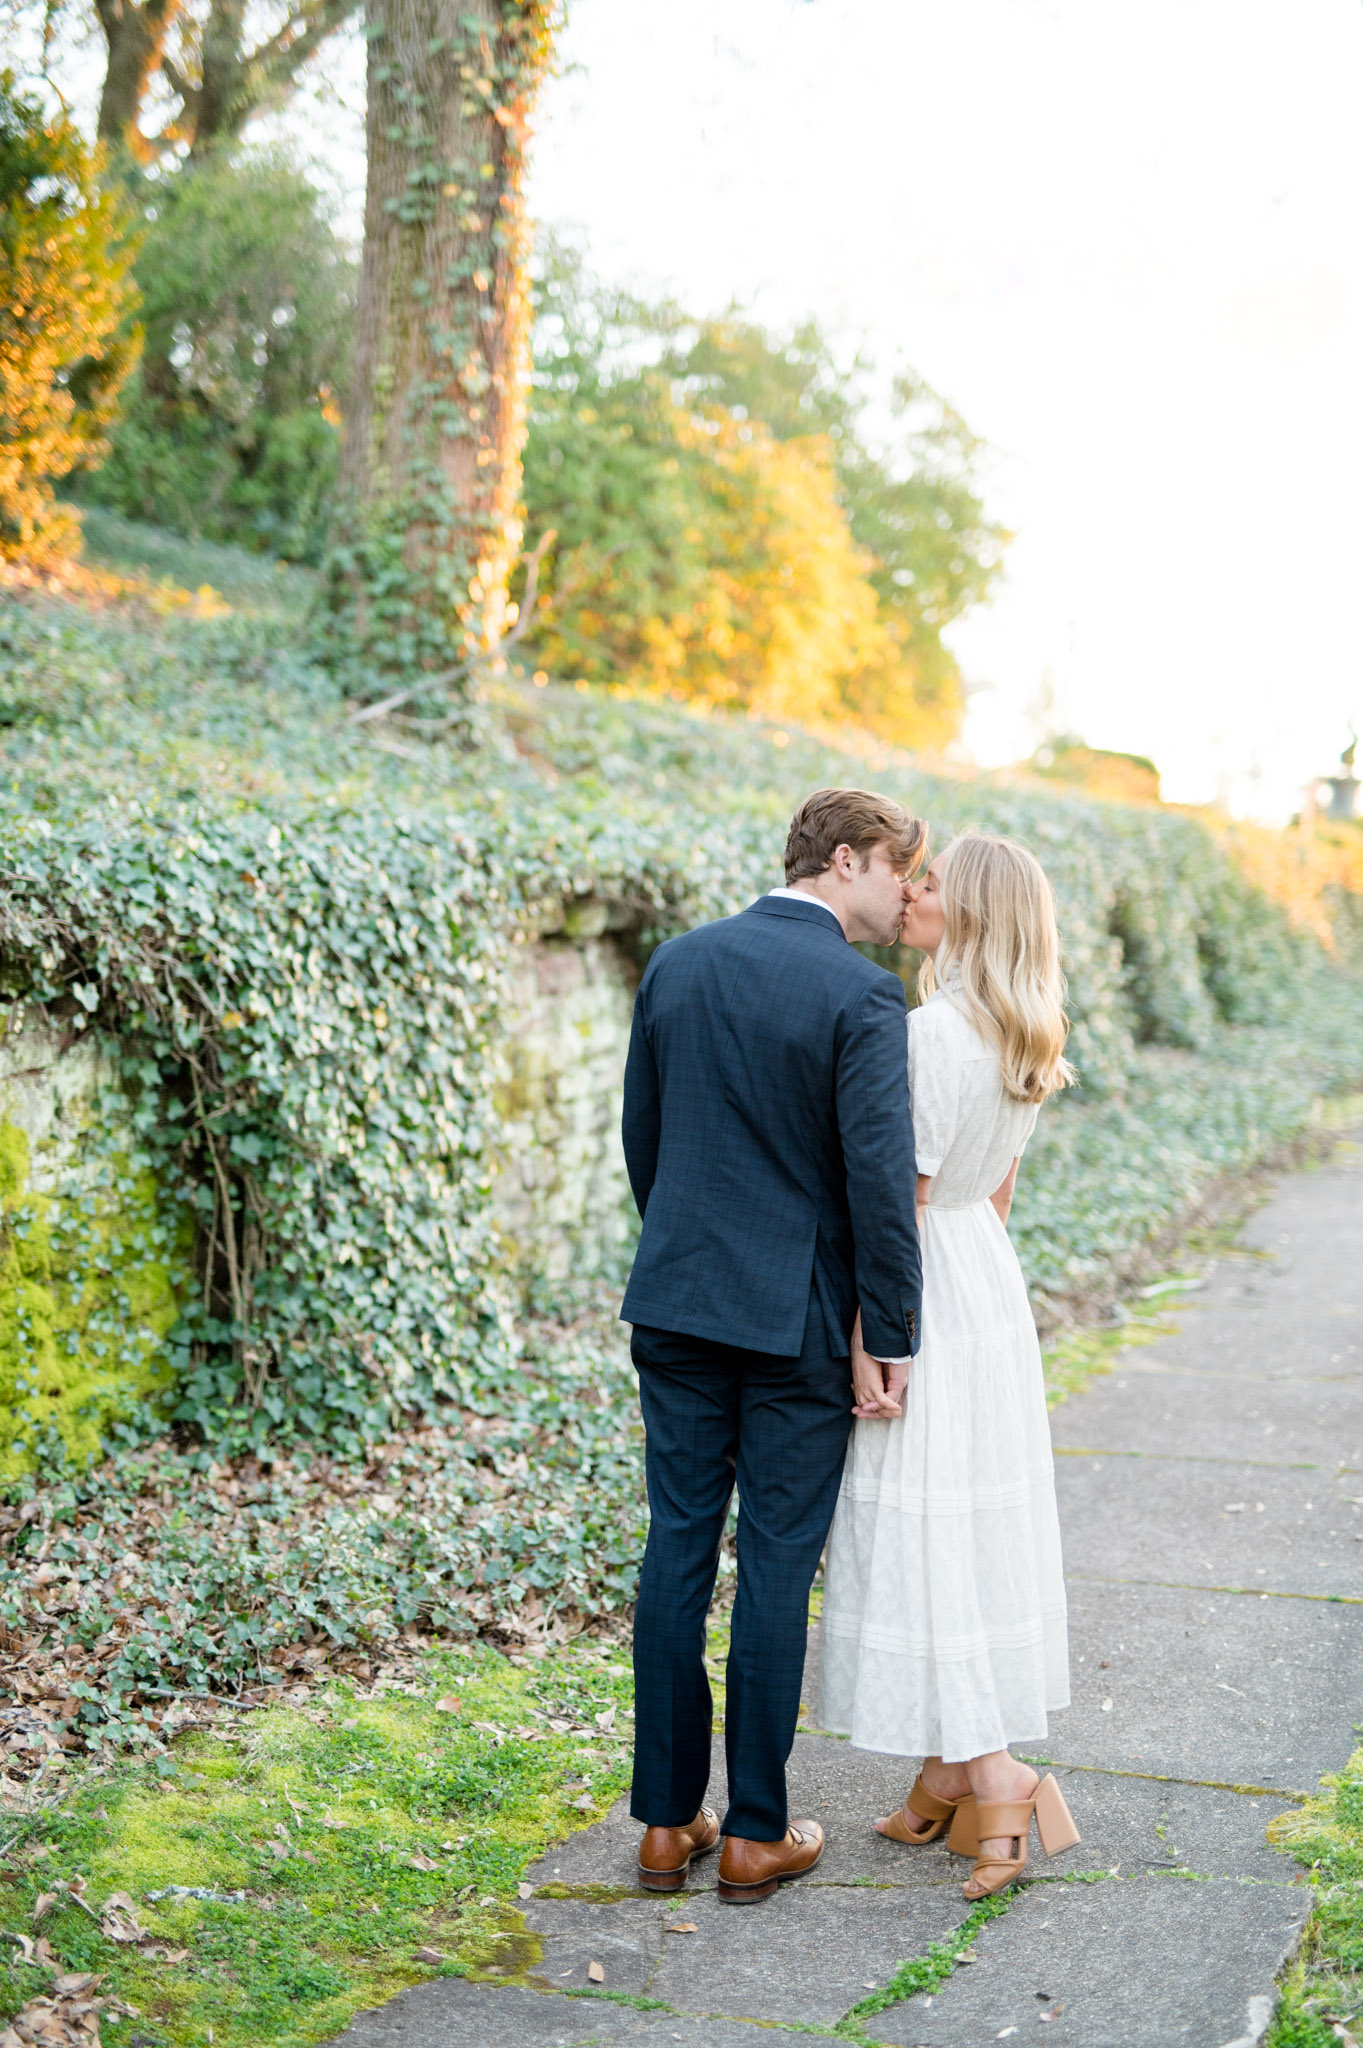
430, 478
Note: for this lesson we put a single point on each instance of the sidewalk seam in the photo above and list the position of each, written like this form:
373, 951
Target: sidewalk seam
1055, 1763
1193, 1586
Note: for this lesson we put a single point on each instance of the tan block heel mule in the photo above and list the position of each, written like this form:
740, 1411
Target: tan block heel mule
936, 1812
1013, 1817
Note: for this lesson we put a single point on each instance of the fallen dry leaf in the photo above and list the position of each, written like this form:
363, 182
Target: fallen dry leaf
525, 1891
429, 1955
44, 1903
595, 1973
606, 1720
118, 1919
161, 1952
422, 1862
447, 1706
69, 2019
584, 1804
329, 1820
681, 1927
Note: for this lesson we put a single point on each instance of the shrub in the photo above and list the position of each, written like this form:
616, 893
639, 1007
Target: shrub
230, 428
66, 344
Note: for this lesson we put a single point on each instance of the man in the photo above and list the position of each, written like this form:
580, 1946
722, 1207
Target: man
770, 1151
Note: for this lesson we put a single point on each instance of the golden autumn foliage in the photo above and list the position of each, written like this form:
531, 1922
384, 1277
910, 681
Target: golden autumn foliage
777, 615
725, 539
1314, 870
64, 352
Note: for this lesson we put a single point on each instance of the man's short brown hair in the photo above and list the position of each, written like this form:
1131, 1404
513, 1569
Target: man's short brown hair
851, 817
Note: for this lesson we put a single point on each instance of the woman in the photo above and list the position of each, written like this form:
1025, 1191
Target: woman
944, 1629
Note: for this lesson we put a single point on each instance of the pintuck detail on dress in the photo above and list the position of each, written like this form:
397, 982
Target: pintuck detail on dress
944, 1626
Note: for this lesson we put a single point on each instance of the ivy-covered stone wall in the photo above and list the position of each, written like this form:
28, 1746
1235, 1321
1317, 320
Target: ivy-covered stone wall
95, 1267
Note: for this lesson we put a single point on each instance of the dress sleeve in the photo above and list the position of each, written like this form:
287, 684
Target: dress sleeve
934, 1086
1026, 1127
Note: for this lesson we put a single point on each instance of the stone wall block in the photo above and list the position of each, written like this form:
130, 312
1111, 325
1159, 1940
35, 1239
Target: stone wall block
561, 1195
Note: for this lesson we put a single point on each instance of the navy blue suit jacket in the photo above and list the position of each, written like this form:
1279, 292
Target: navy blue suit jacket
768, 1138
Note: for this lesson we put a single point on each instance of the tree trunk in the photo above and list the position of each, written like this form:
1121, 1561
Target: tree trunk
434, 429
135, 38
218, 113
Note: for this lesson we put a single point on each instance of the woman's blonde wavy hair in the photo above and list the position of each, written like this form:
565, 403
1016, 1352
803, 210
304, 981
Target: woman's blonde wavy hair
999, 959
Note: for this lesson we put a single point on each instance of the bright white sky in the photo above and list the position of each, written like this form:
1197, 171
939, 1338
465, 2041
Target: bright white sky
1124, 241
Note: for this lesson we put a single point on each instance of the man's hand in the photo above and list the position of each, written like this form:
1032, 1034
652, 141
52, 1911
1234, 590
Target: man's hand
876, 1388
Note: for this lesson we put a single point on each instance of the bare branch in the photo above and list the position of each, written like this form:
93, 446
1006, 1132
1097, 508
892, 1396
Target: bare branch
279, 59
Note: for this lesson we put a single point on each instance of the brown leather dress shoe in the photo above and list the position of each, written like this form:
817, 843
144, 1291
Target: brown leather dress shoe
665, 1853
749, 1871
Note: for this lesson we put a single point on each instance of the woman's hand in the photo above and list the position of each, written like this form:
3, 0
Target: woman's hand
874, 1393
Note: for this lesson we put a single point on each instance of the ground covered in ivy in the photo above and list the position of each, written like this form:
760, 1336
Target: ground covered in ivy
140, 1590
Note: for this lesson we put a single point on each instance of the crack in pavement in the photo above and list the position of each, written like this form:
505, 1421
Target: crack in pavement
1055, 1763
1196, 1458
1196, 1586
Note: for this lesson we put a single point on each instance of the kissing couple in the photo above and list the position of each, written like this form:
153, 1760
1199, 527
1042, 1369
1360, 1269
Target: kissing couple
827, 1311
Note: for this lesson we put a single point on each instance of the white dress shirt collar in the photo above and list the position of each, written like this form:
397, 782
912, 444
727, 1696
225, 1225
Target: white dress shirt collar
803, 896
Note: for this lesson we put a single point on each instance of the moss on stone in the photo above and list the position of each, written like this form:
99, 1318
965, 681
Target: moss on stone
89, 1289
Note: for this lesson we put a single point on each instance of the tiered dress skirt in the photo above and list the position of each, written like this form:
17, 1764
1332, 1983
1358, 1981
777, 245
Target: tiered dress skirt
944, 1628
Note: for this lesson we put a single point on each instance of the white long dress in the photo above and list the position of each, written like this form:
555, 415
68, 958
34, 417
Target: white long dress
944, 1628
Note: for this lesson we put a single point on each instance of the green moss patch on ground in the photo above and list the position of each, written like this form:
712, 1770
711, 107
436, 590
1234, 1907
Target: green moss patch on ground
360, 1829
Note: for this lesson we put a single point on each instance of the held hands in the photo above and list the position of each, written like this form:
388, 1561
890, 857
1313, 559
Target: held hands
877, 1389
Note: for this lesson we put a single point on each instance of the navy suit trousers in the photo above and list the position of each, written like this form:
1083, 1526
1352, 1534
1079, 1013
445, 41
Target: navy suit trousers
715, 1413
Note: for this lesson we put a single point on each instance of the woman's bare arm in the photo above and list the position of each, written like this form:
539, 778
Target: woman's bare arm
1002, 1197
921, 1197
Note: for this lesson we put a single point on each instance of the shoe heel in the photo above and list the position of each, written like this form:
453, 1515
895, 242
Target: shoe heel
1054, 1821
745, 1894
964, 1838
662, 1880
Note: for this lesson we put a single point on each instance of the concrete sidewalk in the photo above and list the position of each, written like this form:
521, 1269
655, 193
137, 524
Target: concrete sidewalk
1215, 1555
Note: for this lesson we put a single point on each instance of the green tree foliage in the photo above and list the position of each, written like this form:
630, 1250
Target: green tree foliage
231, 428
726, 533
65, 342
